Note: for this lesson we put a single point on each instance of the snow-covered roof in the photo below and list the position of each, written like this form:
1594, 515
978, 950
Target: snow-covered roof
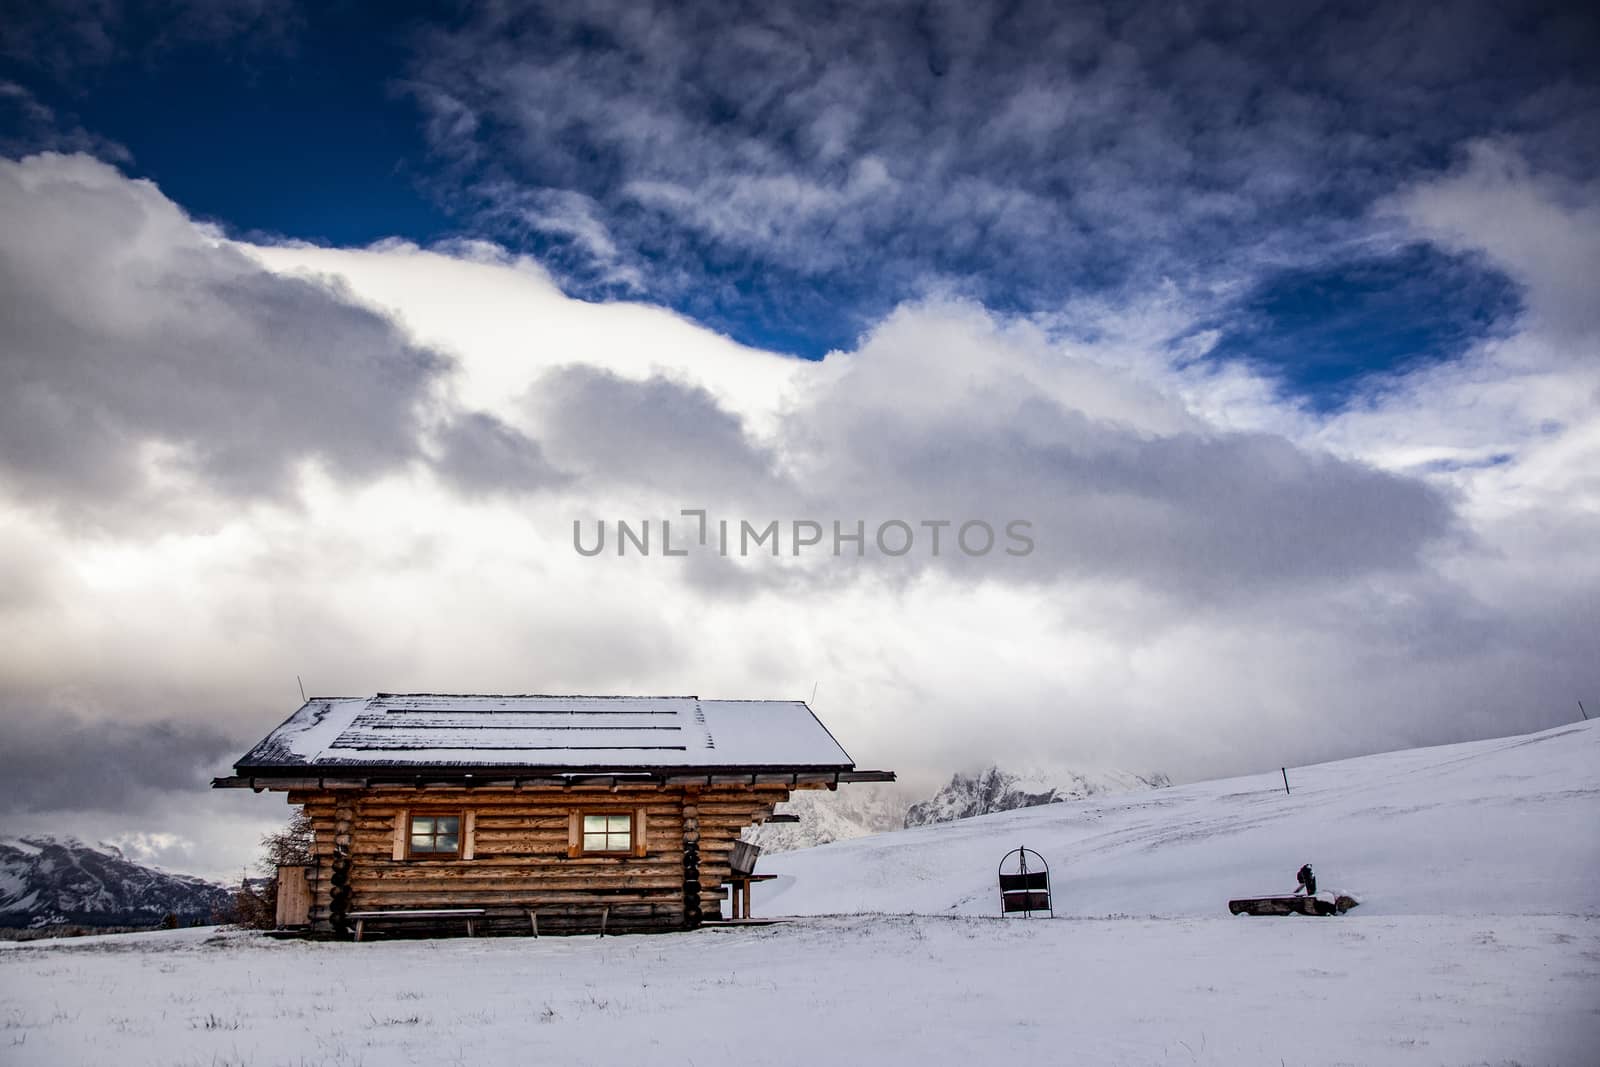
557, 733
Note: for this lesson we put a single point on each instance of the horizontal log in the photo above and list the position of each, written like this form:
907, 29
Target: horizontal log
592, 866
586, 866
541, 829
734, 807
547, 880
517, 820
722, 790
636, 904
543, 896
368, 899
668, 855
665, 856
521, 808
464, 888
402, 873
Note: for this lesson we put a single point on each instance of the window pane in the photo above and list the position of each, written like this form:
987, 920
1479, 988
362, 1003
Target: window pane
421, 842
594, 824
447, 824
618, 823
422, 824
594, 842
445, 843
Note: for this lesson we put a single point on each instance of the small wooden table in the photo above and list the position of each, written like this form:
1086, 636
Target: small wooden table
740, 894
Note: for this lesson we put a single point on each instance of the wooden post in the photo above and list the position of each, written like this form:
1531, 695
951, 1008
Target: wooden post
747, 898
691, 858
1285, 771
344, 819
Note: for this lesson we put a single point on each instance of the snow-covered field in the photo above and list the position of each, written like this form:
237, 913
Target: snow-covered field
1506, 827
1477, 942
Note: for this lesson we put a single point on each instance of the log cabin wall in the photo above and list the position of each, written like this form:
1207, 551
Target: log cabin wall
517, 854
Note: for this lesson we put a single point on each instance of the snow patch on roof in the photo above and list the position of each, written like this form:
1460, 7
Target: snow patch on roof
556, 732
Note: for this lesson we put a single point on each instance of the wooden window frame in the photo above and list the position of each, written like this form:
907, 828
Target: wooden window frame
638, 842
464, 833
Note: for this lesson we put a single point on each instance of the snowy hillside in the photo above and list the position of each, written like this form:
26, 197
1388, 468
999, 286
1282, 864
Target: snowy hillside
996, 790
1491, 827
47, 881
859, 810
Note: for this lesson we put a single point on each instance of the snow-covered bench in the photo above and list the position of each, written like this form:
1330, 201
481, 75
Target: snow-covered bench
363, 917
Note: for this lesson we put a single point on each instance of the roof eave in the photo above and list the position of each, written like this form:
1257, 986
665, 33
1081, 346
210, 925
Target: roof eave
280, 778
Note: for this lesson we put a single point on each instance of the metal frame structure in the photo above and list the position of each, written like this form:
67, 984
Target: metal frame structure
1025, 891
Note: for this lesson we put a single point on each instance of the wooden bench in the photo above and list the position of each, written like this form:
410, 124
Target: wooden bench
361, 917
567, 905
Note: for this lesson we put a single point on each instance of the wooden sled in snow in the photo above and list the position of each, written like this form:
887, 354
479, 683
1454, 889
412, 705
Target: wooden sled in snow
1325, 904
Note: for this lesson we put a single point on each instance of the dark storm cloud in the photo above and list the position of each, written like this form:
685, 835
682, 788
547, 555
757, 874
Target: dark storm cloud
53, 760
658, 433
941, 417
1021, 152
1235, 513
1186, 509
129, 328
480, 453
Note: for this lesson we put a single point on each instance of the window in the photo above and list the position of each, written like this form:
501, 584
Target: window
435, 835
608, 833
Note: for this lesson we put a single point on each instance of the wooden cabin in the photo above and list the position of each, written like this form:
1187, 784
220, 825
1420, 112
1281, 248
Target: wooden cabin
532, 814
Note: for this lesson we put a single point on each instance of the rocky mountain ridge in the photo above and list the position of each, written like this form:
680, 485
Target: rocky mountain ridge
53, 881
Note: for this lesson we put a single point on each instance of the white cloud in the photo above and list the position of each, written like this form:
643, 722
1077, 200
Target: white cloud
1543, 229
1223, 582
143, 350
506, 322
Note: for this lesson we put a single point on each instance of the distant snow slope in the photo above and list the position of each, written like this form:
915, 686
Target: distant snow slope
48, 881
1509, 826
858, 810
996, 790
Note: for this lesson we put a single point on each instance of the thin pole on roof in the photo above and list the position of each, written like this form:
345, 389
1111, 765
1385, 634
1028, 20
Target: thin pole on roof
302, 686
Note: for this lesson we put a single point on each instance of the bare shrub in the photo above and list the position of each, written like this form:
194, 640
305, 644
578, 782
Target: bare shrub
255, 901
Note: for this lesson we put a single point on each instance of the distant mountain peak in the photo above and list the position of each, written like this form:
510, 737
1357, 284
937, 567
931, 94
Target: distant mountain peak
993, 789
48, 880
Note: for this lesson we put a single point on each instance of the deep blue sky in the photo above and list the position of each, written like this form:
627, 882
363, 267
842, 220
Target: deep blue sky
788, 176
